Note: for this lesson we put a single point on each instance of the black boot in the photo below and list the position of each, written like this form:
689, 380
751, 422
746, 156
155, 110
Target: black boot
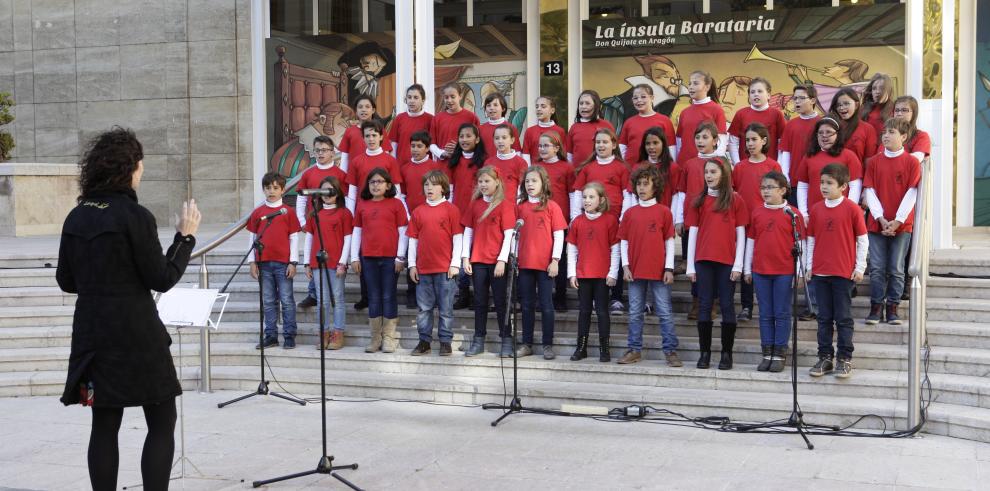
728, 340
604, 352
778, 356
581, 352
464, 299
705, 343
767, 354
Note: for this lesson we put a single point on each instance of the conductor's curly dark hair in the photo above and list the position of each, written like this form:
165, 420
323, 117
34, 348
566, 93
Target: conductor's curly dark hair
109, 162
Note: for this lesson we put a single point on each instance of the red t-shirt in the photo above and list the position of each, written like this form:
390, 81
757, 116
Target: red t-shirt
380, 221
488, 233
613, 175
647, 229
746, 178
335, 224
580, 139
487, 130
770, 117
920, 142
890, 179
692, 180
402, 129
561, 183
689, 120
276, 236
412, 175
443, 128
510, 171
875, 119
773, 236
531, 140
536, 235
352, 143
362, 164
796, 138
465, 180
811, 172
435, 227
634, 128
670, 184
835, 231
716, 230
313, 176
594, 240
863, 141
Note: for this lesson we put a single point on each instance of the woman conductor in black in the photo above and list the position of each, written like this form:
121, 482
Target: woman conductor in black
110, 256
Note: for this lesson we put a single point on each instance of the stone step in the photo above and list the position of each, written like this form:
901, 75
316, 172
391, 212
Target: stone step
965, 262
941, 287
34, 316
52, 382
958, 334
38, 296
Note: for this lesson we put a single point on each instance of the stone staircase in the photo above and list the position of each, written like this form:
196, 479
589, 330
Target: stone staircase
36, 318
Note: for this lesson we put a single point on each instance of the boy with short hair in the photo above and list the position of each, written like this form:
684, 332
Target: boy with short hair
891, 189
836, 260
278, 228
413, 170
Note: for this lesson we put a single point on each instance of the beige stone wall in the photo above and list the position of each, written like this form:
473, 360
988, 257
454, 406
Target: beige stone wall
35, 198
175, 71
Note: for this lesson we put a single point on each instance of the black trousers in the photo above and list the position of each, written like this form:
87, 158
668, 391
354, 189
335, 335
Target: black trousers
156, 458
593, 291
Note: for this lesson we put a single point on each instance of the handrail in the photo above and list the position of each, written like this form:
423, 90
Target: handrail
921, 244
237, 226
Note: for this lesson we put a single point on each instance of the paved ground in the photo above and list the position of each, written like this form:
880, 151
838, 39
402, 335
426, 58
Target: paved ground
420, 446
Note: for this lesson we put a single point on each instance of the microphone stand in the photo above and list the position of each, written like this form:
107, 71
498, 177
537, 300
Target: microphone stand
516, 405
262, 389
325, 465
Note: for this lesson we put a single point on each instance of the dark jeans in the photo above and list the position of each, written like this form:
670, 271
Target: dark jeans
277, 290
560, 282
616, 291
834, 294
379, 274
746, 291
533, 282
593, 291
483, 276
713, 279
774, 293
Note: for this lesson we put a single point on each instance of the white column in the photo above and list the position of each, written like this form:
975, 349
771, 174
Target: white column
365, 19
404, 66
259, 119
965, 193
532, 16
470, 13
942, 171
644, 8
424, 50
576, 10
316, 17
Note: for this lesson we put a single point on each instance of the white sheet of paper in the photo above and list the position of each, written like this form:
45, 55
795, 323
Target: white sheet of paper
186, 306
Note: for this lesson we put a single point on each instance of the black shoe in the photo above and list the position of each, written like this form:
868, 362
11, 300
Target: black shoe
361, 304
423, 348
726, 362
705, 360
289, 343
582, 349
767, 358
604, 353
823, 366
445, 349
464, 299
268, 343
807, 315
746, 314
307, 303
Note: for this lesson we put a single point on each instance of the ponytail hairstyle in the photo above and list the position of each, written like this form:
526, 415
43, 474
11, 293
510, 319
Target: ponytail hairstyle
478, 160
724, 200
814, 147
555, 141
849, 125
497, 197
544, 190
663, 164
913, 104
553, 105
712, 89
594, 155
887, 106
596, 101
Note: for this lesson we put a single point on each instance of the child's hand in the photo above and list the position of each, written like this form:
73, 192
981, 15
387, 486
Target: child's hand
254, 270
552, 269
290, 272
356, 266
693, 276
807, 279
448, 149
893, 226
573, 281
748, 279
734, 276
626, 273
453, 272
341, 270
309, 273
679, 229
500, 269
857, 277
610, 281
399, 265
668, 278
883, 224
466, 266
413, 274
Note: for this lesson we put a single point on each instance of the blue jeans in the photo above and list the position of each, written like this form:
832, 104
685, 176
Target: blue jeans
379, 274
483, 276
661, 305
531, 283
834, 295
333, 286
277, 289
435, 291
311, 289
774, 293
713, 279
887, 266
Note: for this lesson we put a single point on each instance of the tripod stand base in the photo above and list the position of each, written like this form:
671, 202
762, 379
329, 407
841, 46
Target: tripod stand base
516, 406
263, 391
325, 466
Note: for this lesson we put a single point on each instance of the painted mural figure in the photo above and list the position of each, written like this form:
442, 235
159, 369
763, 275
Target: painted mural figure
660, 73
370, 70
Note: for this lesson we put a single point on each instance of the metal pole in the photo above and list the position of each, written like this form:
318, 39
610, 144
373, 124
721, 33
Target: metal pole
920, 249
204, 336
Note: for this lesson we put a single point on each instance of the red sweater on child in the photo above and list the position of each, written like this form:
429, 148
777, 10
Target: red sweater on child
580, 139
770, 117
891, 178
688, 122
434, 227
531, 139
635, 126
401, 131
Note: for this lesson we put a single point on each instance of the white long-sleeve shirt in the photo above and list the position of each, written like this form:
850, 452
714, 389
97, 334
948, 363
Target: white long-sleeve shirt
572, 255
293, 239
862, 247
457, 241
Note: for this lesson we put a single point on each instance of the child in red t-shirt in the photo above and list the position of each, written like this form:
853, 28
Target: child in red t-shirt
647, 250
691, 185
496, 108
409, 123
797, 133
413, 172
704, 107
891, 189
919, 143
275, 239
552, 158
507, 161
435, 236
352, 143
468, 158
717, 239
857, 136
634, 127
771, 230
546, 120
878, 101
580, 140
488, 226
334, 238
446, 124
826, 147
836, 260
374, 156
541, 241
655, 152
759, 111
378, 254
593, 266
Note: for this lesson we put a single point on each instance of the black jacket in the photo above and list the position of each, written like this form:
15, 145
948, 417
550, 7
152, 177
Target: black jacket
110, 257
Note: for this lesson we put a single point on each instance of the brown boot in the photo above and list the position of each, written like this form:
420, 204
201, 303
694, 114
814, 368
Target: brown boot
336, 340
390, 339
376, 334
693, 313
324, 340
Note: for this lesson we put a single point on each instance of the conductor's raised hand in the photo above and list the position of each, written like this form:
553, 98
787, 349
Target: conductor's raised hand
187, 223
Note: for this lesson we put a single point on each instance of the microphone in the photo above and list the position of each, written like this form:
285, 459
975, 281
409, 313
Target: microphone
519, 224
789, 211
318, 192
273, 215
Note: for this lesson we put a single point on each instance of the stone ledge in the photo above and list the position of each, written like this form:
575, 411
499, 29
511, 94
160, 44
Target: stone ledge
38, 195
37, 169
